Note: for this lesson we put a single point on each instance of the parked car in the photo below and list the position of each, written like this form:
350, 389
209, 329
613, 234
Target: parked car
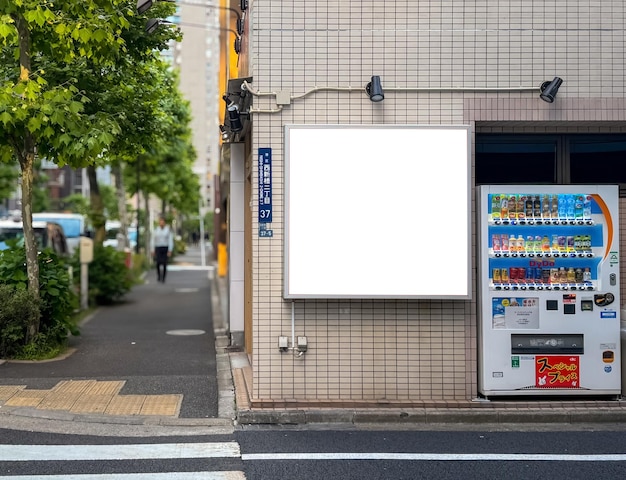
113, 231
47, 234
74, 225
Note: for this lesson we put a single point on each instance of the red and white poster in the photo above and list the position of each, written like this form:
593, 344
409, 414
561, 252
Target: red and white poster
557, 371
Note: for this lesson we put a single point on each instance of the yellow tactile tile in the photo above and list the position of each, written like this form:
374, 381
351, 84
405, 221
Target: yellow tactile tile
125, 405
166, 405
105, 388
7, 391
27, 398
91, 404
58, 401
73, 386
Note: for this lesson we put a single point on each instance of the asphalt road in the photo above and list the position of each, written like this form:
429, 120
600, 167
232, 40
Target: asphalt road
288, 453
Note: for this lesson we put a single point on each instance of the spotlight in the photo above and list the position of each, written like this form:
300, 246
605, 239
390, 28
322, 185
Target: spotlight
243, 4
237, 45
235, 119
143, 5
375, 90
240, 25
152, 25
224, 133
550, 89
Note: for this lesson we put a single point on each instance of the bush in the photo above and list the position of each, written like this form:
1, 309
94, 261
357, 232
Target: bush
180, 246
109, 278
20, 309
56, 307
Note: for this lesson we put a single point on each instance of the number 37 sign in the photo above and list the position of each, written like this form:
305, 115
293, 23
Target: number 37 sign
265, 185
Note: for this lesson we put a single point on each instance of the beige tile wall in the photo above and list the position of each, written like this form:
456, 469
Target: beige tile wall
375, 350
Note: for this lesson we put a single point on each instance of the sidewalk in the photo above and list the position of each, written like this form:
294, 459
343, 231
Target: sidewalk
155, 359
159, 362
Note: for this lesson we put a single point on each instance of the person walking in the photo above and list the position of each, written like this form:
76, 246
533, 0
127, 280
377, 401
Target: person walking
162, 247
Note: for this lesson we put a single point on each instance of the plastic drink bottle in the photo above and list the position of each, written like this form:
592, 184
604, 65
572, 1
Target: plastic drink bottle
530, 243
537, 206
528, 207
512, 207
496, 204
562, 207
587, 207
504, 242
554, 210
504, 207
570, 207
545, 206
495, 242
571, 275
578, 207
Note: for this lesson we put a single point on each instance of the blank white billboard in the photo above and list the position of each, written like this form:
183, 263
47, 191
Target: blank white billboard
377, 211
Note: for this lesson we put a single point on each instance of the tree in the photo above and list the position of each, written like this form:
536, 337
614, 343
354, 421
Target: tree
42, 112
131, 90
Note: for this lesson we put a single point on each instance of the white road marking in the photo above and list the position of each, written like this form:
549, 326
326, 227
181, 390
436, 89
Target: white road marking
136, 476
24, 453
501, 457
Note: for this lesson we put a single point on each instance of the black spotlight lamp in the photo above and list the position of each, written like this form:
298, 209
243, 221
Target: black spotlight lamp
243, 4
235, 119
152, 24
224, 133
550, 89
143, 6
374, 90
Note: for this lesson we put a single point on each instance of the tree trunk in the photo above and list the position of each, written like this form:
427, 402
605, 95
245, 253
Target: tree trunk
26, 154
27, 160
148, 225
121, 204
98, 220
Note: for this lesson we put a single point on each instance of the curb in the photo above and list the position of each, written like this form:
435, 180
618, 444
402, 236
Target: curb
431, 417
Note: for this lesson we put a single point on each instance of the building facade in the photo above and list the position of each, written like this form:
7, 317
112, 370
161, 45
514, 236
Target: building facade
476, 64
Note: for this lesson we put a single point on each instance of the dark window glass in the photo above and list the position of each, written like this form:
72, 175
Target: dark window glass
515, 159
598, 159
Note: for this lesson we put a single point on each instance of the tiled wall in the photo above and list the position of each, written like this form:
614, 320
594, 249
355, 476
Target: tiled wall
409, 350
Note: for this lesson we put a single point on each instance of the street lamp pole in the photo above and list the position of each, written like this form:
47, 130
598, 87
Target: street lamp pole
138, 205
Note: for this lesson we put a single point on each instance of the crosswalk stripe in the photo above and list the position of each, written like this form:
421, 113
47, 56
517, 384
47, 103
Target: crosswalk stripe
21, 453
136, 476
501, 457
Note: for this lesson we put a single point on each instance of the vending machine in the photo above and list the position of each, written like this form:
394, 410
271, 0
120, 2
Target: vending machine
549, 306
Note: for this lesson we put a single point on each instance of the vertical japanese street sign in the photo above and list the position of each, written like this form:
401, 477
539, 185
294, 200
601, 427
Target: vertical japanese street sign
265, 188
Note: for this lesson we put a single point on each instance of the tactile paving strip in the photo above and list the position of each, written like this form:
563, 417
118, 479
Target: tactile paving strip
105, 388
125, 405
7, 391
91, 404
58, 401
27, 398
73, 386
91, 396
167, 405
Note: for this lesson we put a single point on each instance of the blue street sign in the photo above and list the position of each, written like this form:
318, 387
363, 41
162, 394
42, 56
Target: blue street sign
265, 185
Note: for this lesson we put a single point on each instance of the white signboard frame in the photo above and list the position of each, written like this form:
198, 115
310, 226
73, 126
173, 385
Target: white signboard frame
377, 211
